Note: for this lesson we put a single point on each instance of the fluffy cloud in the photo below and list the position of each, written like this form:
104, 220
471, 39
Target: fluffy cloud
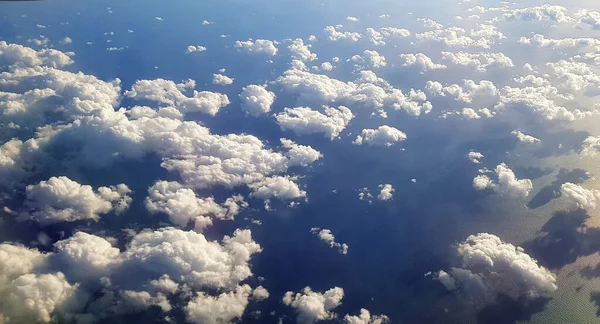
20, 56
224, 308
378, 37
256, 99
475, 157
382, 136
222, 79
61, 199
479, 61
334, 35
549, 12
304, 121
260, 46
300, 51
483, 37
466, 93
591, 145
365, 317
195, 48
507, 183
326, 236
488, 263
314, 306
169, 93
386, 192
300, 154
276, 187
541, 100
541, 41
523, 138
422, 61
368, 91
182, 205
374, 59
579, 196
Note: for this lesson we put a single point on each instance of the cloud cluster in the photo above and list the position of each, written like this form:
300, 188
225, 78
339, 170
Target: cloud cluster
479, 62
303, 120
422, 61
507, 183
259, 46
580, 197
326, 236
256, 99
382, 136
60, 199
313, 306
490, 266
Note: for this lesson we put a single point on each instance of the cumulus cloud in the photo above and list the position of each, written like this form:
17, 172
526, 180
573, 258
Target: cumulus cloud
368, 91
224, 308
580, 197
488, 263
351, 18
523, 138
422, 61
256, 99
386, 192
475, 157
314, 306
507, 183
259, 46
195, 48
558, 14
382, 136
469, 91
300, 154
221, 79
590, 146
20, 56
304, 120
541, 41
334, 35
326, 236
60, 199
479, 61
169, 93
182, 205
365, 317
300, 51
484, 37
541, 100
277, 187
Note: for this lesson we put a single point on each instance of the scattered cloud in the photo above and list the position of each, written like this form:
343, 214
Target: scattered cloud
326, 236
314, 306
507, 183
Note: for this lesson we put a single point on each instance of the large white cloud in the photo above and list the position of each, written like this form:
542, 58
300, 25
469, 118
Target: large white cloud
382, 136
422, 61
259, 46
221, 79
580, 196
169, 93
300, 154
60, 199
386, 192
326, 236
313, 306
365, 317
488, 264
507, 182
277, 187
304, 120
20, 56
182, 205
256, 99
224, 308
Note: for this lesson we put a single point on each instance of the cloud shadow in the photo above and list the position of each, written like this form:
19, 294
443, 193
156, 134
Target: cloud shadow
546, 194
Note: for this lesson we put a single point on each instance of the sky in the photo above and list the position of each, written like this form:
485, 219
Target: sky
358, 162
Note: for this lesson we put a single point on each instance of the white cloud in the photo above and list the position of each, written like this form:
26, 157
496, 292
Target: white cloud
276, 187
195, 48
574, 76
159, 18
523, 138
326, 66
430, 23
222, 79
375, 59
364, 194
326, 236
469, 113
479, 61
581, 197
485, 36
386, 192
365, 317
256, 99
475, 157
66, 40
382, 136
334, 35
549, 12
351, 18
21, 56
590, 146
466, 93
507, 183
182, 205
422, 61
304, 121
541, 41
259, 46
300, 154
170, 93
300, 51
540, 100
61, 199
224, 308
368, 91
314, 306
17, 260
488, 264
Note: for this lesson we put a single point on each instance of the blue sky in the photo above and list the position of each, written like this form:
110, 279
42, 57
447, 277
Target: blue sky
317, 161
